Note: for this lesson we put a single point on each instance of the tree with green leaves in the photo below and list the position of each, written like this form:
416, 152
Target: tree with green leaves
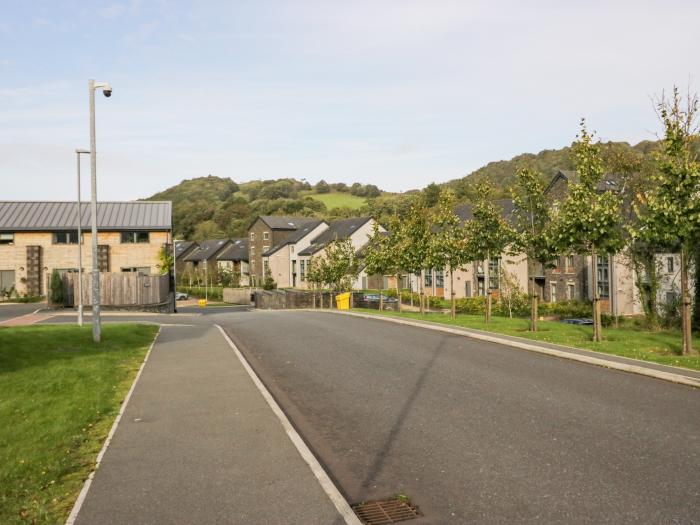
589, 220
488, 236
533, 223
671, 214
379, 259
56, 296
315, 276
412, 239
165, 259
339, 266
448, 247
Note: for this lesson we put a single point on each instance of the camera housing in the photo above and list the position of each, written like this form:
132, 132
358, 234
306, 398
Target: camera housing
107, 92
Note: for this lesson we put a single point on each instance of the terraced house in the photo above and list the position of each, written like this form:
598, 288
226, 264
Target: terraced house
37, 238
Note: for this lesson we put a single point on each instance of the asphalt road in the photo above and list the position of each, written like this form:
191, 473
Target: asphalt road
8, 311
475, 432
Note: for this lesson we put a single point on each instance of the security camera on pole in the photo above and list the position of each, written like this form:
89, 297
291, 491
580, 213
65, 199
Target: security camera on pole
107, 91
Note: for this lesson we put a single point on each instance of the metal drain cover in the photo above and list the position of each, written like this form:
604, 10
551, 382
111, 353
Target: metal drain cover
382, 512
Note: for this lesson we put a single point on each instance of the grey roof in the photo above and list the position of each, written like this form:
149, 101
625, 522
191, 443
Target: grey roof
609, 181
207, 249
282, 222
295, 237
337, 230
49, 216
182, 247
465, 211
236, 251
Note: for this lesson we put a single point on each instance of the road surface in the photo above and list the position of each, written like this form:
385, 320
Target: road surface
475, 432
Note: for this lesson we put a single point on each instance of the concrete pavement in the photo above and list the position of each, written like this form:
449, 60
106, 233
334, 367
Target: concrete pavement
10, 311
199, 444
477, 432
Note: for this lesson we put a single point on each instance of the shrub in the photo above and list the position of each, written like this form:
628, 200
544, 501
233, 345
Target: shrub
566, 309
56, 295
471, 305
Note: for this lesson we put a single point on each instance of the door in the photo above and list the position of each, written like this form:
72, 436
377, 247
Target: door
7, 281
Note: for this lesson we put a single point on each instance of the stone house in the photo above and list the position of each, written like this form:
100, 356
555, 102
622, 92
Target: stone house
234, 258
282, 259
38, 237
202, 261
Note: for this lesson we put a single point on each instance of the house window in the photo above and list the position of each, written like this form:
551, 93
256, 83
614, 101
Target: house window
467, 289
439, 279
428, 281
252, 236
569, 263
291, 248
553, 292
141, 270
555, 264
571, 291
480, 289
603, 277
266, 236
670, 264
265, 266
7, 238
265, 248
135, 237
302, 270
65, 237
494, 266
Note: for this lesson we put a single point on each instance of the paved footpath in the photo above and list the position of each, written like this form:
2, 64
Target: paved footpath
198, 443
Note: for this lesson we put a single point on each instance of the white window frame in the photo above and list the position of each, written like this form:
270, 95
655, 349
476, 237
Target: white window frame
552, 292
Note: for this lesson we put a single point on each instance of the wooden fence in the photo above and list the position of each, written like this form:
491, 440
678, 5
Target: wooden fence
119, 289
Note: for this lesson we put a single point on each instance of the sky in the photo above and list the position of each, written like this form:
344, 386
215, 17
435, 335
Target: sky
393, 93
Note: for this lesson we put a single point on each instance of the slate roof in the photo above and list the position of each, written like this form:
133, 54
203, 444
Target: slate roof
282, 222
182, 246
464, 211
609, 182
63, 215
296, 236
341, 229
207, 249
236, 251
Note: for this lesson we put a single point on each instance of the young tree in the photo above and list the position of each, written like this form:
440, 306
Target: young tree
413, 242
378, 258
314, 275
269, 282
339, 266
672, 212
510, 293
588, 220
448, 246
533, 221
488, 236
56, 296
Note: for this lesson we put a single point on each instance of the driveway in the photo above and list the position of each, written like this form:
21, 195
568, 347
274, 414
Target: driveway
477, 432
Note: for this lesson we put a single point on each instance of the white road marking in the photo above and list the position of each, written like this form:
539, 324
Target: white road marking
341, 504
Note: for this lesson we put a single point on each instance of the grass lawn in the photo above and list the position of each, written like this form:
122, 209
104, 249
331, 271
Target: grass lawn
662, 347
336, 199
59, 395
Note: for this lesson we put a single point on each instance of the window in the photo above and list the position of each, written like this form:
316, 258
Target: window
467, 289
7, 238
291, 248
571, 291
480, 290
670, 264
553, 292
302, 270
265, 266
439, 279
494, 266
265, 248
266, 236
428, 281
603, 277
555, 264
7, 280
569, 263
135, 237
252, 236
141, 270
68, 237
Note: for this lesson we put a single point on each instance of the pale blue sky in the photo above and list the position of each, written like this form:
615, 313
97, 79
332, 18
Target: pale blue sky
398, 94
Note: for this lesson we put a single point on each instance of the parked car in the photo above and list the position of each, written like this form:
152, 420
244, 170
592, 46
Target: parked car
181, 296
374, 298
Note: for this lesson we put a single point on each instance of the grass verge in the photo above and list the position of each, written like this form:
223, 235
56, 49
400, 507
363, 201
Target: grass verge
59, 395
662, 347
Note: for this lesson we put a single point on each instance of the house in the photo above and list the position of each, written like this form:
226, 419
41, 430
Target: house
38, 237
202, 260
357, 229
282, 260
182, 250
234, 259
264, 233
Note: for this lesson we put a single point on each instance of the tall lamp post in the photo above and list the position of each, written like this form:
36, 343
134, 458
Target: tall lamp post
107, 91
79, 152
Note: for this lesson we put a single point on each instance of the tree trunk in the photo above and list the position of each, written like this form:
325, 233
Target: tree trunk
381, 296
398, 292
313, 297
685, 303
422, 291
453, 308
487, 288
597, 331
533, 313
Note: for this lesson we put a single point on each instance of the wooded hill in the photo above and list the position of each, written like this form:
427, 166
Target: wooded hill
211, 207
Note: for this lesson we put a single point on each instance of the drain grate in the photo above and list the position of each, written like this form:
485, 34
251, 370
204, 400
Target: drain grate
383, 512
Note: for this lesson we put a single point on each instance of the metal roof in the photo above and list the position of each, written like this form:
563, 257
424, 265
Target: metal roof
49, 216
236, 251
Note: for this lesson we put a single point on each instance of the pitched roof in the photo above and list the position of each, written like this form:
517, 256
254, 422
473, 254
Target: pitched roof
236, 251
63, 215
609, 181
283, 222
207, 249
295, 237
465, 211
182, 246
341, 229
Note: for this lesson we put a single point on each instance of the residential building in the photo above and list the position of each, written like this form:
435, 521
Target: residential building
182, 250
285, 267
264, 233
234, 259
202, 260
38, 237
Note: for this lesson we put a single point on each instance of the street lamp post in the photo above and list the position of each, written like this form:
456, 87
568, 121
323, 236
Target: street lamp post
79, 152
107, 90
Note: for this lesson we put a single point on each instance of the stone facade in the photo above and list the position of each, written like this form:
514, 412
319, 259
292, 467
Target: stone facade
261, 237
